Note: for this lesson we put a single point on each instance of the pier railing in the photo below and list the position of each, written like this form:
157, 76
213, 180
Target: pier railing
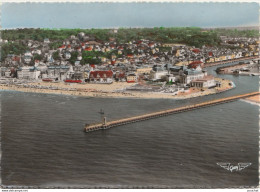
123, 121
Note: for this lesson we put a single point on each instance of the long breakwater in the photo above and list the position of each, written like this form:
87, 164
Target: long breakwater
106, 125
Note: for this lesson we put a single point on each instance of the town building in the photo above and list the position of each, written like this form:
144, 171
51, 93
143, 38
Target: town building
131, 78
101, 76
190, 75
28, 72
59, 72
205, 82
145, 70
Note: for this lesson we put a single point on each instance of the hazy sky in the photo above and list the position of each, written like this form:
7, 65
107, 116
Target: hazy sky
108, 15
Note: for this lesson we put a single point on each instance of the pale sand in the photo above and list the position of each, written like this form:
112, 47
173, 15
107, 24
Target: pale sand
255, 98
108, 90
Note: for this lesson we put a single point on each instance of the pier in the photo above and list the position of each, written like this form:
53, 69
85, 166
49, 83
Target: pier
124, 121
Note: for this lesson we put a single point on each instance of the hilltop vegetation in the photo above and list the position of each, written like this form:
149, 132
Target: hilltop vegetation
237, 33
192, 36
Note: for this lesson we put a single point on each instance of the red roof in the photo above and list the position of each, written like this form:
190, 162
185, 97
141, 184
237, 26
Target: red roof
139, 42
121, 75
69, 46
196, 50
88, 49
195, 64
113, 62
210, 53
12, 70
16, 58
93, 66
130, 55
101, 74
62, 47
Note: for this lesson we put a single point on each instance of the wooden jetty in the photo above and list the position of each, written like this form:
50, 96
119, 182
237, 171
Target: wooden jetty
110, 124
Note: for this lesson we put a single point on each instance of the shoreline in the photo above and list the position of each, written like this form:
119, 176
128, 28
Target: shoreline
255, 100
251, 102
110, 91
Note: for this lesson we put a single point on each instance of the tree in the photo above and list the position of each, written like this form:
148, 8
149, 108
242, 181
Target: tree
56, 55
73, 57
90, 57
37, 57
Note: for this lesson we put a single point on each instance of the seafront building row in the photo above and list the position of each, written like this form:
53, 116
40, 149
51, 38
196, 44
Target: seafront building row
138, 61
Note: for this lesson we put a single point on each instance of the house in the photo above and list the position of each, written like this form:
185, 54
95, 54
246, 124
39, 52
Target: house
81, 35
180, 63
101, 76
78, 75
114, 30
151, 45
223, 57
73, 37
37, 51
67, 55
196, 64
46, 40
7, 73
196, 51
177, 70
172, 45
131, 78
69, 48
145, 70
3, 70
49, 58
171, 78
159, 74
27, 59
78, 49
77, 63
113, 62
60, 72
62, 47
120, 76
211, 60
16, 60
88, 49
28, 72
36, 63
28, 53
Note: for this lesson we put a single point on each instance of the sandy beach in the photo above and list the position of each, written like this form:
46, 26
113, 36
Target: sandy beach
253, 100
110, 90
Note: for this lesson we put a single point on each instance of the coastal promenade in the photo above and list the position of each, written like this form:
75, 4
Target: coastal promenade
110, 124
229, 61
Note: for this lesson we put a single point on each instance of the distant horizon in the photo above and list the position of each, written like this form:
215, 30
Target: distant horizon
253, 27
128, 15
